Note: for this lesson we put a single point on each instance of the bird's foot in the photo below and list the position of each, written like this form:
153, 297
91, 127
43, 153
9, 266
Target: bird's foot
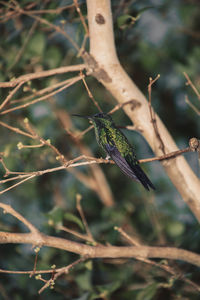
107, 157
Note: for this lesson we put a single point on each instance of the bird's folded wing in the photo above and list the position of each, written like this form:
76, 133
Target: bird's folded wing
120, 161
131, 169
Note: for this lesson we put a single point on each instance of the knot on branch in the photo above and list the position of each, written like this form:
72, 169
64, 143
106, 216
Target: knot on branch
194, 144
94, 68
100, 19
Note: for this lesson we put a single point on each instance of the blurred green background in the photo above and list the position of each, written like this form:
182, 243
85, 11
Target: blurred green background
158, 37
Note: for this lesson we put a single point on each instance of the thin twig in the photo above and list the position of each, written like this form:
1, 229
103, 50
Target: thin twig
86, 35
166, 156
81, 134
16, 184
71, 82
47, 73
166, 268
57, 10
120, 105
69, 164
8, 209
15, 129
10, 95
91, 160
90, 94
5, 167
28, 36
64, 270
35, 261
80, 210
153, 115
189, 82
79, 235
16, 7
40, 92
192, 106
55, 27
31, 129
81, 17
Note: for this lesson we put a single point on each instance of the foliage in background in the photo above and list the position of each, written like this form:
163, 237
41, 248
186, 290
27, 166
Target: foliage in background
161, 38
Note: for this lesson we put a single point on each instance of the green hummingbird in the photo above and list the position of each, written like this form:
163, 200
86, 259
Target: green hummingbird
117, 146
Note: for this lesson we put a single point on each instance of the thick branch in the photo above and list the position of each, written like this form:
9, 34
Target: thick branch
37, 238
100, 251
105, 66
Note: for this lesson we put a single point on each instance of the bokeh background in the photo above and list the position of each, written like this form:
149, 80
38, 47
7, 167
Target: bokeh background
158, 37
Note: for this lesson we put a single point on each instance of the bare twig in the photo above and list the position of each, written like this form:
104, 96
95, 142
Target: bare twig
165, 267
81, 17
28, 36
15, 129
16, 184
12, 13
37, 249
84, 26
166, 156
11, 94
189, 82
16, 7
192, 106
80, 210
194, 146
7, 209
57, 10
69, 164
31, 76
64, 270
79, 235
53, 26
120, 105
152, 114
90, 95
71, 81
40, 92
81, 134
4, 166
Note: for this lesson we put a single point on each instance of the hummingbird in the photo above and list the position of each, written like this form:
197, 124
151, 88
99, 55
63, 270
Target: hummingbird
117, 147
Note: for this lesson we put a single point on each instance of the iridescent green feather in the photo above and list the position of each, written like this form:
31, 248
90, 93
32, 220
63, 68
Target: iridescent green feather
117, 146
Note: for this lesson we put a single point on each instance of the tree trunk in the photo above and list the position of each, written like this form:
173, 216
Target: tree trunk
105, 66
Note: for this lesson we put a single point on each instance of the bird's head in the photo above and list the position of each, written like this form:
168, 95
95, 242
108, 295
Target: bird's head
97, 119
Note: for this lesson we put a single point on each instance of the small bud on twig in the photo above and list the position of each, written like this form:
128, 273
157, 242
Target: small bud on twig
194, 144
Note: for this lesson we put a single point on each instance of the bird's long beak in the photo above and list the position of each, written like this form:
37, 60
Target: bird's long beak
85, 117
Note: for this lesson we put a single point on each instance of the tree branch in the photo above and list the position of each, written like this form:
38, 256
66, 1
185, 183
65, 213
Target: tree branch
37, 238
100, 251
31, 76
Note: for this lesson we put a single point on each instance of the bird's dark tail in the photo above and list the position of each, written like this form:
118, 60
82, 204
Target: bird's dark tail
142, 177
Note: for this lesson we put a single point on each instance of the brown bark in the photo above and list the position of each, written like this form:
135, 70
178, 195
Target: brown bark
39, 239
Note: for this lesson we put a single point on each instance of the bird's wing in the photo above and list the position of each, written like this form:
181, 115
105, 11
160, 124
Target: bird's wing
120, 161
130, 168
139, 173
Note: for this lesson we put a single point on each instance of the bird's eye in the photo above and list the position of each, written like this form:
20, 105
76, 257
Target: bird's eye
100, 115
